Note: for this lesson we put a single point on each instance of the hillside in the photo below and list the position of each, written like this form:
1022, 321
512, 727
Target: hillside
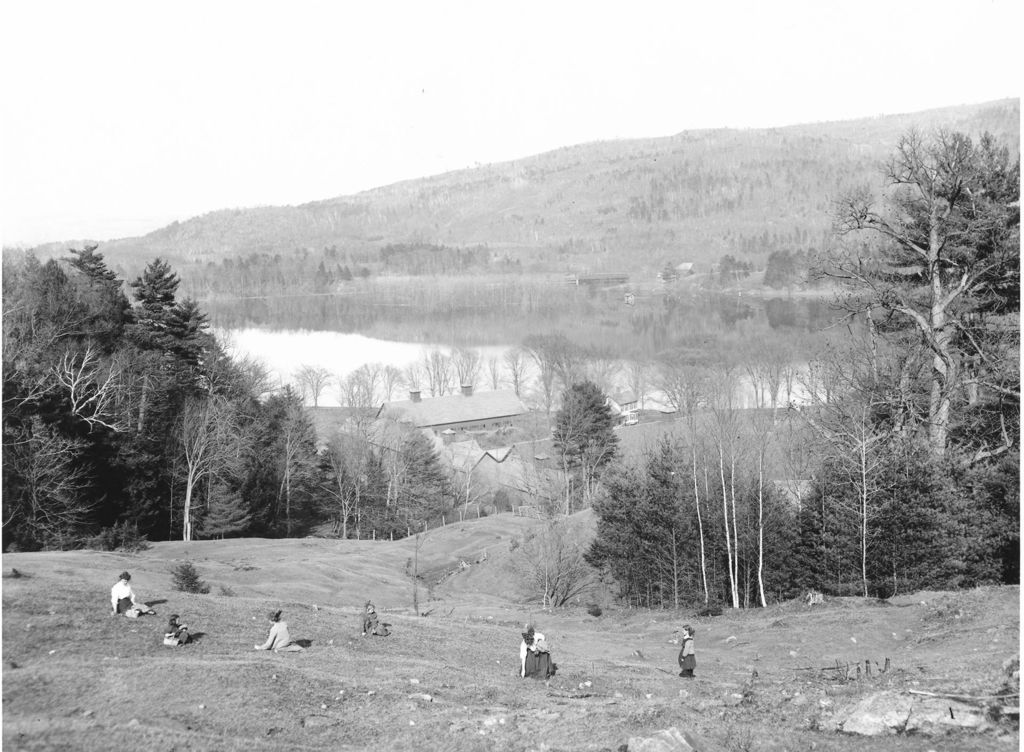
692, 196
75, 678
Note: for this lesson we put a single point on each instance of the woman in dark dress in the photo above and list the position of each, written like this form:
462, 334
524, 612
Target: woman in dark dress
535, 659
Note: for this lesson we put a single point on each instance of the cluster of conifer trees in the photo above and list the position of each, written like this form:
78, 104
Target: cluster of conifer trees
125, 420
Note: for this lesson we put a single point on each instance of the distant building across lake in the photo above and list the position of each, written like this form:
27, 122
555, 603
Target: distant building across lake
597, 280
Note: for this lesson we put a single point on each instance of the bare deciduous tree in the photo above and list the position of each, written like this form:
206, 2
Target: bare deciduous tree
467, 363
312, 381
494, 372
637, 376
551, 563
208, 446
347, 457
360, 388
438, 369
92, 388
47, 502
515, 361
390, 379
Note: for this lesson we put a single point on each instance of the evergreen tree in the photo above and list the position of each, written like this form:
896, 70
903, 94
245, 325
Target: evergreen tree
584, 437
423, 488
226, 514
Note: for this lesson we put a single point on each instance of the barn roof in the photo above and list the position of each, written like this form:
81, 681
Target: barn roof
456, 408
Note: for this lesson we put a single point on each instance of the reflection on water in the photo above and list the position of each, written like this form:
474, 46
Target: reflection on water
284, 352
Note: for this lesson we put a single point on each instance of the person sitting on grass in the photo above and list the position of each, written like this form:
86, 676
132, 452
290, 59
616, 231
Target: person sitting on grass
372, 625
278, 640
177, 633
534, 658
122, 599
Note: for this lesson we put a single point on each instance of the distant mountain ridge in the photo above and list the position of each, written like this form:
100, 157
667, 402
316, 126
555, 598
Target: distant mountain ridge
691, 196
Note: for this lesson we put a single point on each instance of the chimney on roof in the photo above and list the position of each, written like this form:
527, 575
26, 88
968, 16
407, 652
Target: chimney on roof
467, 390
414, 395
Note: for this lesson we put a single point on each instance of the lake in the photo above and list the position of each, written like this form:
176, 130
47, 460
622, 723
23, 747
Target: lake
284, 352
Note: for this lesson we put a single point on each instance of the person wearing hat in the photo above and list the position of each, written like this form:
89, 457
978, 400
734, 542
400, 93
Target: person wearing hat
372, 624
687, 657
122, 599
278, 640
177, 633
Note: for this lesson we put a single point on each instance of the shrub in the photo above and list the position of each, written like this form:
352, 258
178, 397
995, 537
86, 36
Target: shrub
186, 579
594, 610
123, 536
225, 590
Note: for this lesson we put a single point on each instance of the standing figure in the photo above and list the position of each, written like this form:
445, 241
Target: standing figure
122, 599
534, 658
373, 625
278, 640
687, 657
177, 633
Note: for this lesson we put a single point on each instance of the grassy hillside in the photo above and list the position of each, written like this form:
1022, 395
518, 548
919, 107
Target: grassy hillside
692, 196
76, 678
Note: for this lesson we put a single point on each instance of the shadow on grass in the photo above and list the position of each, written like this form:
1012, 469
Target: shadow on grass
196, 636
157, 602
304, 643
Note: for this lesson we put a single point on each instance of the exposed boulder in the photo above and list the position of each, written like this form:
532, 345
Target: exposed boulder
893, 713
881, 713
667, 740
935, 715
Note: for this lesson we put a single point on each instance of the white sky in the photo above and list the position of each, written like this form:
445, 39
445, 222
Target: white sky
119, 117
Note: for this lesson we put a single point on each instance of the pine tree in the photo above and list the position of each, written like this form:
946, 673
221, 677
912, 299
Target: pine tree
226, 514
584, 437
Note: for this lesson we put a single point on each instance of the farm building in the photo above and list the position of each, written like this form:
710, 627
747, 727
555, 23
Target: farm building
467, 411
623, 406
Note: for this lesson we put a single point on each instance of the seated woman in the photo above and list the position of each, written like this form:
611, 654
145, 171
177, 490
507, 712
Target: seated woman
278, 640
371, 624
534, 657
177, 633
122, 599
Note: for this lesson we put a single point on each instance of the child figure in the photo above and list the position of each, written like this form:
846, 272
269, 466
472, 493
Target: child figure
177, 633
687, 658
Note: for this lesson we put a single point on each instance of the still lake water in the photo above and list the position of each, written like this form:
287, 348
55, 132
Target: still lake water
284, 352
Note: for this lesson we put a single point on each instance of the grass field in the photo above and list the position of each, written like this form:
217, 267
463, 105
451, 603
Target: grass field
75, 678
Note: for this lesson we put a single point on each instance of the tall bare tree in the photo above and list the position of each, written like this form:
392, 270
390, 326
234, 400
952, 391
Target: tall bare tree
638, 374
515, 362
725, 432
312, 381
467, 362
47, 502
437, 366
494, 372
390, 379
207, 446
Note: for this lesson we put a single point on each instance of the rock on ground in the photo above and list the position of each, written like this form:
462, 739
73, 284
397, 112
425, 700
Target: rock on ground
667, 740
880, 713
892, 712
934, 715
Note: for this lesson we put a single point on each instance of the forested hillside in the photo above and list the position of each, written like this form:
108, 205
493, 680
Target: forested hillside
618, 205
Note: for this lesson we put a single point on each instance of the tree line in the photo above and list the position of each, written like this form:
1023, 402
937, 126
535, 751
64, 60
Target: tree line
914, 418
126, 419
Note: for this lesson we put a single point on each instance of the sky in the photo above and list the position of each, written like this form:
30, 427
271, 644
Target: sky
117, 118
